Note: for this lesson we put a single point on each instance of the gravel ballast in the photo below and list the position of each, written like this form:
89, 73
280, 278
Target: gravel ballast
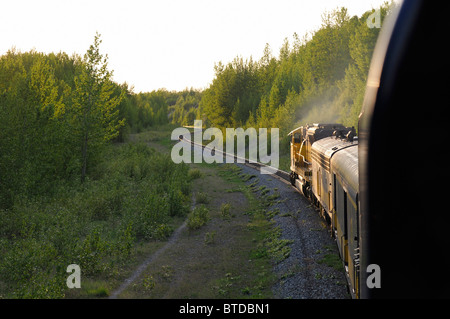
307, 273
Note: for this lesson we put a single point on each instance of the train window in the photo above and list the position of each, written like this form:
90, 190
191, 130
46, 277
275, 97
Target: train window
297, 138
345, 214
334, 191
357, 218
319, 183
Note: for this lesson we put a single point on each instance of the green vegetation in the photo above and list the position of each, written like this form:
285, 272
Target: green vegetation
136, 195
320, 77
57, 114
331, 258
198, 217
225, 211
146, 110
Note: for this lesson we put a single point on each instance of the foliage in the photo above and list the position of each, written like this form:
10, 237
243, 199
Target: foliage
156, 108
94, 116
198, 217
96, 225
225, 210
51, 108
186, 107
319, 78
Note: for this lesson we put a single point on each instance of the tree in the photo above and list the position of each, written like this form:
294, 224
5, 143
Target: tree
95, 107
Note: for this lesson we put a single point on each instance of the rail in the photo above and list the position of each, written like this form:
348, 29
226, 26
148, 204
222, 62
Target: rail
255, 165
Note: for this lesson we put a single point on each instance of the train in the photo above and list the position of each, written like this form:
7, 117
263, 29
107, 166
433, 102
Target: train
324, 167
383, 186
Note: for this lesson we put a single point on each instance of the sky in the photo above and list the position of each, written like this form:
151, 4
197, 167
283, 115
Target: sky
171, 44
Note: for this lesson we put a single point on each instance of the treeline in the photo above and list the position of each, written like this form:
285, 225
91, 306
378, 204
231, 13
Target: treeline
149, 109
317, 78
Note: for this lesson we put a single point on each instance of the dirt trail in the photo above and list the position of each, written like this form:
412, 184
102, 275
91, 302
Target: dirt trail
135, 275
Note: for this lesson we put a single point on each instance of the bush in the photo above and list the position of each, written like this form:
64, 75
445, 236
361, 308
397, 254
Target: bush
91, 252
162, 231
201, 198
177, 203
194, 173
225, 211
198, 217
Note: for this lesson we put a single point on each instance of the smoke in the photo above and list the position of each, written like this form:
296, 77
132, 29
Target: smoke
319, 107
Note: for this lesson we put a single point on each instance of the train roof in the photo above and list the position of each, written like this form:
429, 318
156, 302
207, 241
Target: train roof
345, 164
296, 130
341, 157
330, 145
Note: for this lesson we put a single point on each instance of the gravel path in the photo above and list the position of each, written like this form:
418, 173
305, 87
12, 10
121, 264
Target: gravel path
303, 275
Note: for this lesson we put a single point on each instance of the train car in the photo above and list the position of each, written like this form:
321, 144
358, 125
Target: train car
335, 192
345, 211
321, 153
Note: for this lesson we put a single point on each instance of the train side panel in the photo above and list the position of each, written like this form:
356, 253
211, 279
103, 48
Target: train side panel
344, 168
321, 178
335, 191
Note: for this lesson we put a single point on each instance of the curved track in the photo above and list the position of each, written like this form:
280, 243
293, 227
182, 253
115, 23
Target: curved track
282, 175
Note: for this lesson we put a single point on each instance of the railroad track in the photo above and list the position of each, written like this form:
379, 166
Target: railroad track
281, 175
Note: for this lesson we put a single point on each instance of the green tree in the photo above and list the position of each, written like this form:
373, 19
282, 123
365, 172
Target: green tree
95, 106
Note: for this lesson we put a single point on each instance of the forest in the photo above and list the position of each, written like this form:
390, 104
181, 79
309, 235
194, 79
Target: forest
319, 77
72, 191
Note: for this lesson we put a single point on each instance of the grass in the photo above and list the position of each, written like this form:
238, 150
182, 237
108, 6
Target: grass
194, 173
201, 198
331, 259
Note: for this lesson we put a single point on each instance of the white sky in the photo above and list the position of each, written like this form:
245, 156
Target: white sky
170, 44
